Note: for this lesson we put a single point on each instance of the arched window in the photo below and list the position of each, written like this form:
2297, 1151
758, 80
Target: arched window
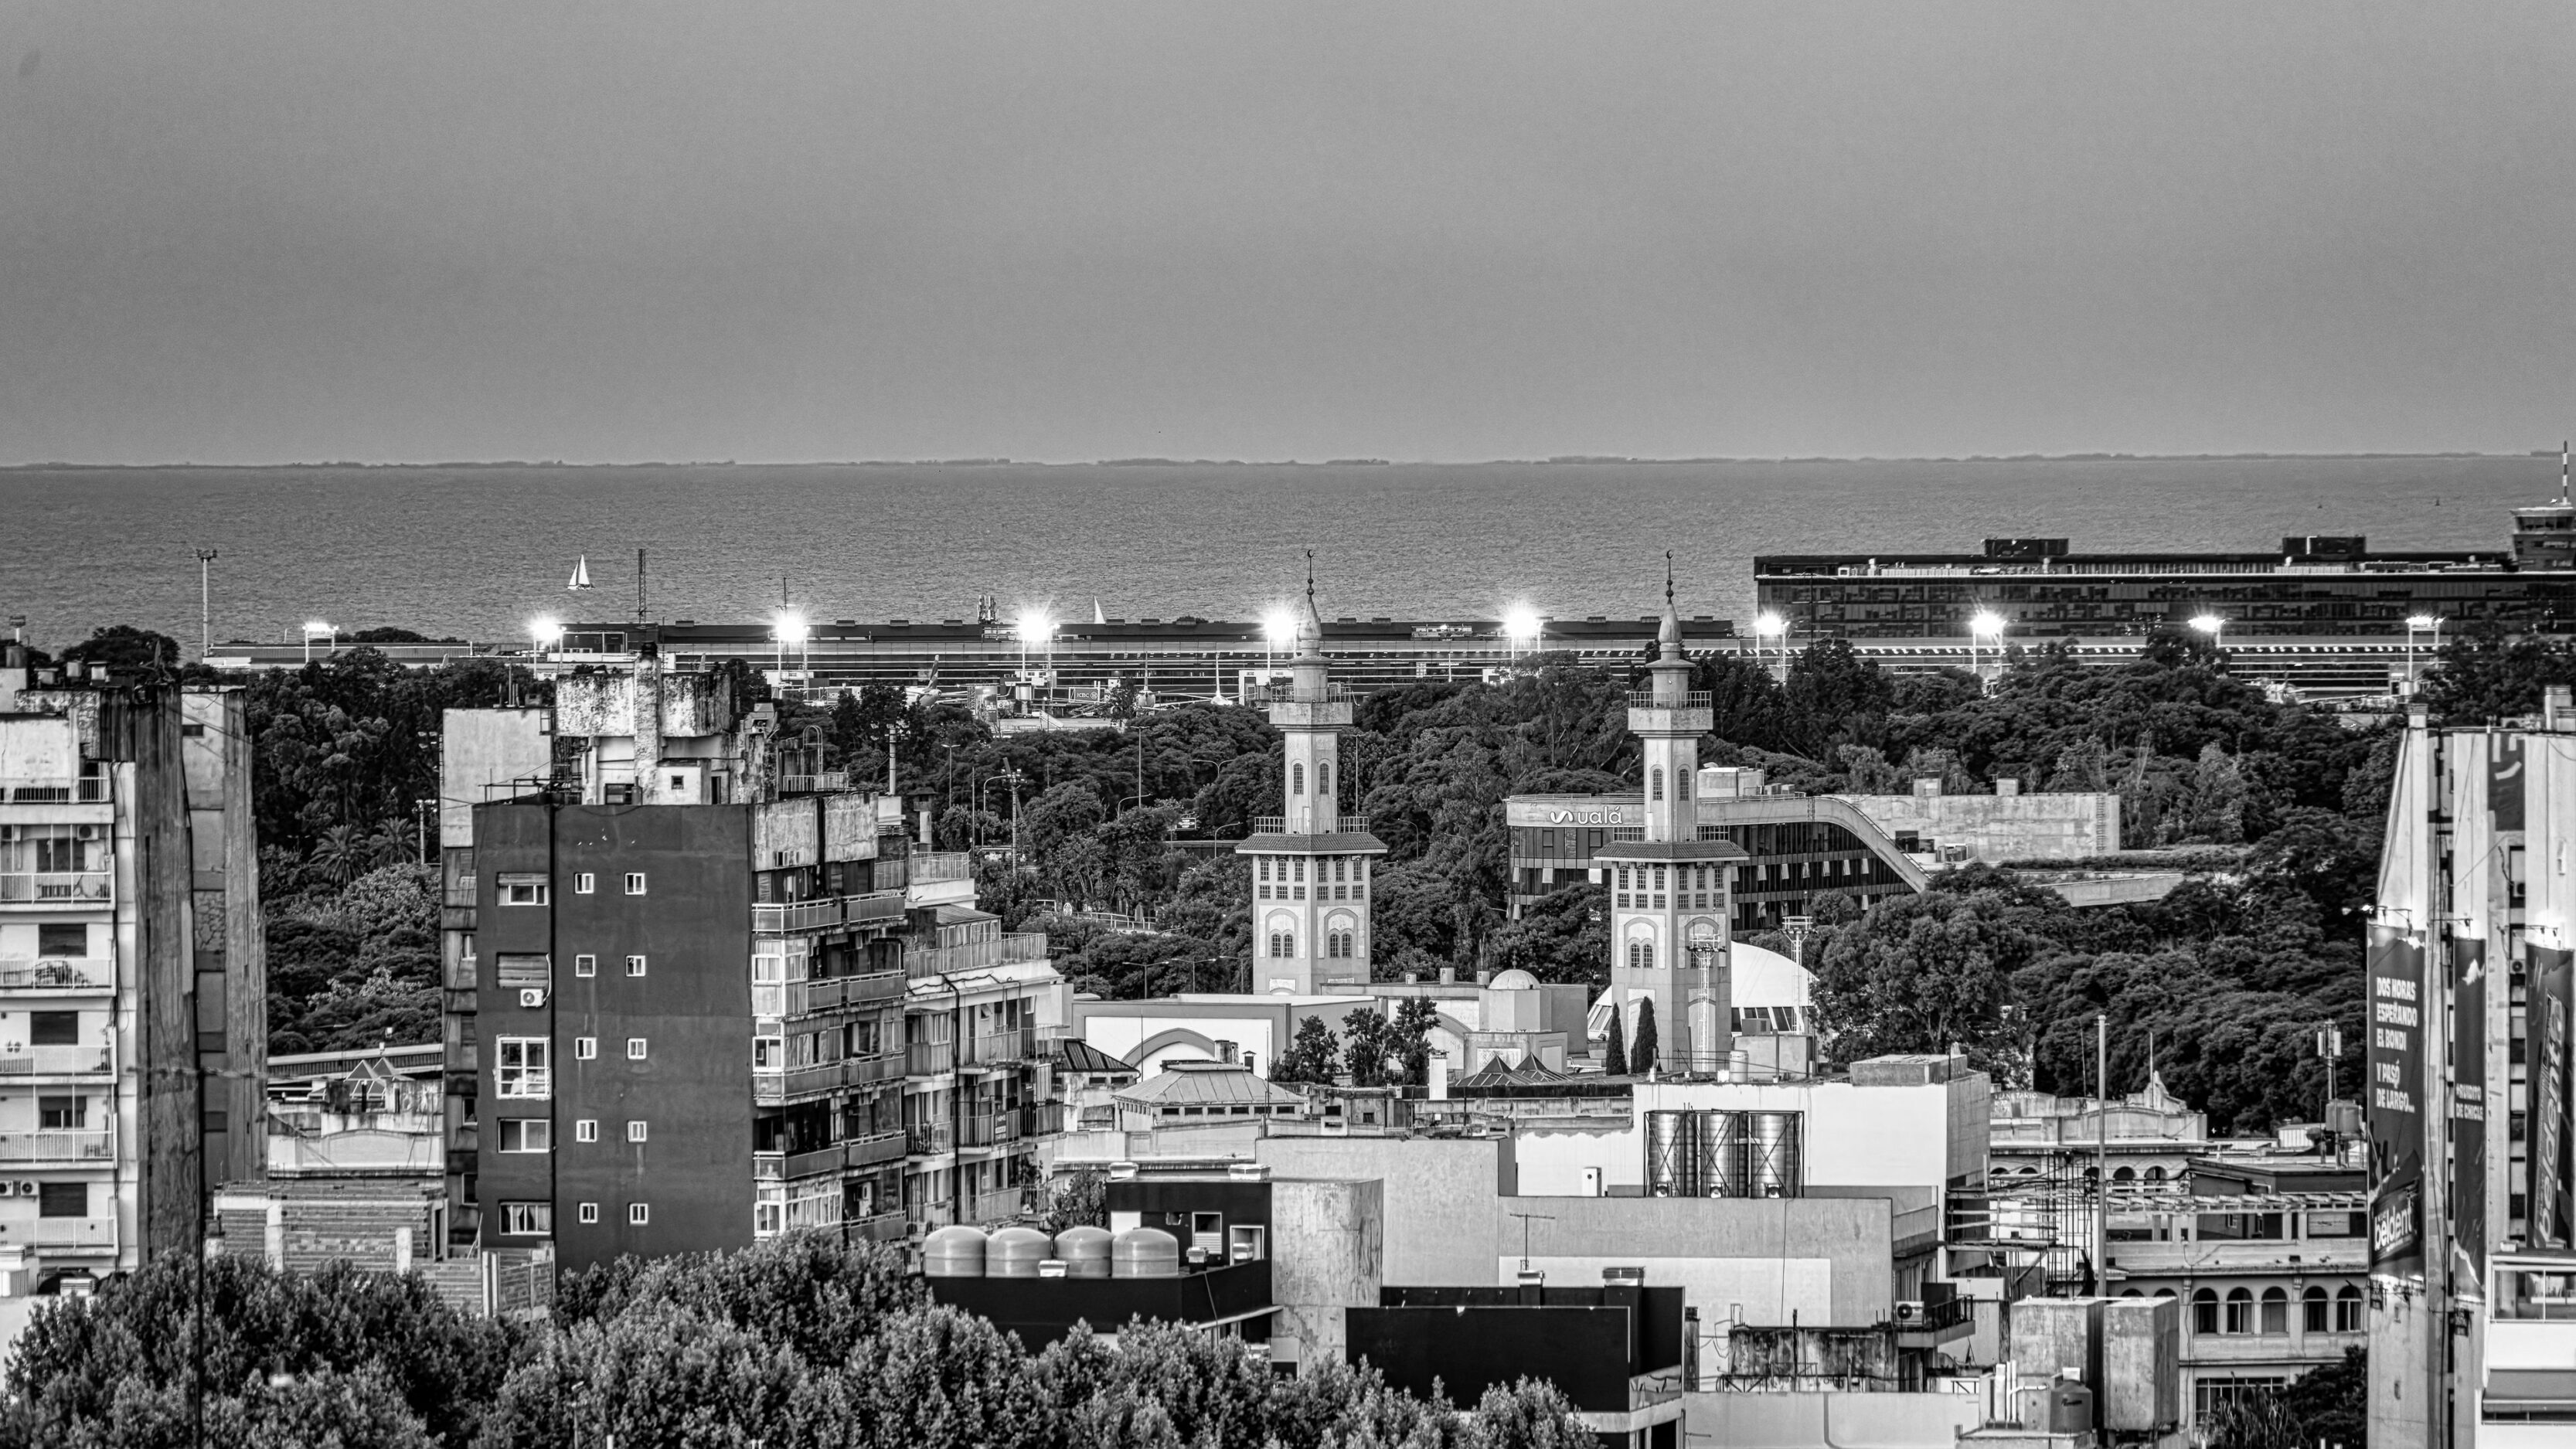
2240, 1311
2276, 1311
1681, 785
1323, 777
2204, 1311
2348, 1310
1655, 791
1341, 867
1645, 955
2314, 1316
2131, 1293
1297, 779
2124, 1174
2155, 1174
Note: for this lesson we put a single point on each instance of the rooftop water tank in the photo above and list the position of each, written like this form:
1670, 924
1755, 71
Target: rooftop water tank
953, 1252
1016, 1253
1144, 1253
1085, 1251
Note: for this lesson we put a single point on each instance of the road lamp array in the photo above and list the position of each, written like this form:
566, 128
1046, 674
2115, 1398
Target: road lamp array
1988, 625
2215, 627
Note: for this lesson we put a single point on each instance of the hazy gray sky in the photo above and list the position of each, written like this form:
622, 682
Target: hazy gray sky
252, 231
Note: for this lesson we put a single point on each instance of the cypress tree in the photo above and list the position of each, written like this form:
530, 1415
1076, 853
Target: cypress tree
1615, 1060
1641, 1057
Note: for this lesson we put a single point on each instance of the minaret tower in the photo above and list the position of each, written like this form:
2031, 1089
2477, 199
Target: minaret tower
1310, 866
1670, 892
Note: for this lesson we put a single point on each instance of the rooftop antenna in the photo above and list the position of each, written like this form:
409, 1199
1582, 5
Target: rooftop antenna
2562, 472
640, 615
1668, 578
1310, 580
1526, 1220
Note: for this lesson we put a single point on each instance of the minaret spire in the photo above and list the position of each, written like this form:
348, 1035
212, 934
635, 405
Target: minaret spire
2562, 472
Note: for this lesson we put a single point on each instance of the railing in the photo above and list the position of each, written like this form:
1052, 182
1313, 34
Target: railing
1688, 699
1288, 692
85, 790
930, 1058
1011, 948
823, 913
824, 783
771, 1088
991, 1207
995, 1129
61, 1232
876, 1147
929, 1139
878, 1227
1304, 824
804, 998
57, 1146
58, 887
53, 975
995, 1047
942, 865
1946, 1313
46, 1061
1041, 1119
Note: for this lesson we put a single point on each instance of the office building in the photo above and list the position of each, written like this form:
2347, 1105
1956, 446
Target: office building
700, 1001
133, 1006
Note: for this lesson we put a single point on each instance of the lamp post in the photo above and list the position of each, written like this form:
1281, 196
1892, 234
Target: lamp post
1769, 625
2216, 628
2414, 622
789, 629
318, 629
205, 602
1520, 630
1985, 624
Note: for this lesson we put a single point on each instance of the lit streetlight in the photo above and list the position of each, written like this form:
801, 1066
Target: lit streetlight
2215, 627
1034, 627
1278, 633
788, 629
2431, 622
1769, 625
319, 629
548, 634
1520, 628
1988, 625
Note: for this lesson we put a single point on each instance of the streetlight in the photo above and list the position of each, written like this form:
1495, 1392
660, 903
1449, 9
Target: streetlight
1769, 625
788, 629
548, 634
1278, 632
1034, 627
1985, 624
317, 629
2215, 627
205, 602
1520, 627
2432, 622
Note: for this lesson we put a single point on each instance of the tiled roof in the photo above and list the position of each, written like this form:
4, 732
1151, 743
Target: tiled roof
1076, 1055
1203, 1084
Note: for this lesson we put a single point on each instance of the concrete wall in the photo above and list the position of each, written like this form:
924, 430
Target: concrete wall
1440, 1196
1328, 1240
2001, 827
1817, 1421
482, 754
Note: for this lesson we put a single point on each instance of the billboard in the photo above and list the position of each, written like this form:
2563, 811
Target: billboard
2552, 975
2396, 1061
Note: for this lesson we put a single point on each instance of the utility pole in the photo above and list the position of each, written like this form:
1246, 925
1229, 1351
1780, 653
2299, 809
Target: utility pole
205, 603
2102, 1152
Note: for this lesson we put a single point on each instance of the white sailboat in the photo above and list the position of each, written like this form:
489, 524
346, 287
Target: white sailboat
580, 575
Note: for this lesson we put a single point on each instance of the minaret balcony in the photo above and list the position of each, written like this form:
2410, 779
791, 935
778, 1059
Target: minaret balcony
1288, 691
1288, 714
1683, 699
1304, 824
1665, 719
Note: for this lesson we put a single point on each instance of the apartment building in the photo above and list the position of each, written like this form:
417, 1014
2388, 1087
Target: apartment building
133, 1007
702, 993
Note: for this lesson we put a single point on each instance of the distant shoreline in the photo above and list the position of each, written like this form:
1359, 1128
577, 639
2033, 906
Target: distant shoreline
1567, 461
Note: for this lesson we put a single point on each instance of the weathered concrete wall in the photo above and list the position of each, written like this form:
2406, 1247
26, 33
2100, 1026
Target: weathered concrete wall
1328, 1239
786, 833
1440, 1197
2002, 827
482, 754
1807, 1421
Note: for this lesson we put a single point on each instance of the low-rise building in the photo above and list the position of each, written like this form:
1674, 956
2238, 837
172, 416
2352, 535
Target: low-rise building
2005, 824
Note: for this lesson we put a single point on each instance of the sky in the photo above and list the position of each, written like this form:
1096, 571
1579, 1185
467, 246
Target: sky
261, 231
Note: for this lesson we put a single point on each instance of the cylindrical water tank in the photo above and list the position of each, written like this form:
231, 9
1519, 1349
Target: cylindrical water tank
1772, 1166
1016, 1253
1669, 1169
2070, 1407
1085, 1251
956, 1251
1144, 1253
1718, 1147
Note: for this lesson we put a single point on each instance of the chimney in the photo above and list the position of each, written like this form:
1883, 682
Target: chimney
647, 699
2007, 789
1533, 1283
1448, 975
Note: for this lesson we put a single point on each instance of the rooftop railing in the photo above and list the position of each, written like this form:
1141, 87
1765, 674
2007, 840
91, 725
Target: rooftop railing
1303, 823
1289, 693
1687, 699
73, 888
824, 913
84, 790
942, 865
57, 975
1010, 948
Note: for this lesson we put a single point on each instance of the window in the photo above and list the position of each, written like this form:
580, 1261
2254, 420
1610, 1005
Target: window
2348, 1310
524, 1219
586, 1130
635, 1131
519, 889
585, 965
634, 965
589, 1212
635, 1048
2314, 1317
635, 882
585, 1048
522, 1068
1655, 791
2276, 1311
1323, 777
53, 1028
516, 972
62, 1114
527, 1134
2240, 1311
62, 1200
2204, 1311
1296, 779
768, 1053
639, 1213
61, 940
584, 883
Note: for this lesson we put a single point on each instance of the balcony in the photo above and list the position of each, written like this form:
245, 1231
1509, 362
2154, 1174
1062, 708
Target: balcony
58, 977
86, 790
928, 1139
878, 1227
930, 1059
79, 1234
989, 1129
994, 1207
1688, 699
827, 913
942, 866
57, 1147
1012, 948
771, 1089
1041, 1119
1288, 693
805, 998
1001, 1048
852, 1152
72, 889
55, 1061
1303, 823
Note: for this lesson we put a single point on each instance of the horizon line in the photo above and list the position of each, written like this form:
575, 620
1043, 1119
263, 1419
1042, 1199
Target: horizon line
1556, 460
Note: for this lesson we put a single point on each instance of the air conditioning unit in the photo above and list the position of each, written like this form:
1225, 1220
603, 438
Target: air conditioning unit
27, 1187
1909, 1313
532, 996
85, 832
8, 1189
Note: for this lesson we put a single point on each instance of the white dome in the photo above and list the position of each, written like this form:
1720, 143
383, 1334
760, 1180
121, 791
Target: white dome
1767, 978
1513, 980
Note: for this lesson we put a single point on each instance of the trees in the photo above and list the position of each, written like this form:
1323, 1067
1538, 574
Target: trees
1641, 1053
1408, 1040
2329, 1405
1614, 1056
1364, 1047
1310, 1056
1921, 973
